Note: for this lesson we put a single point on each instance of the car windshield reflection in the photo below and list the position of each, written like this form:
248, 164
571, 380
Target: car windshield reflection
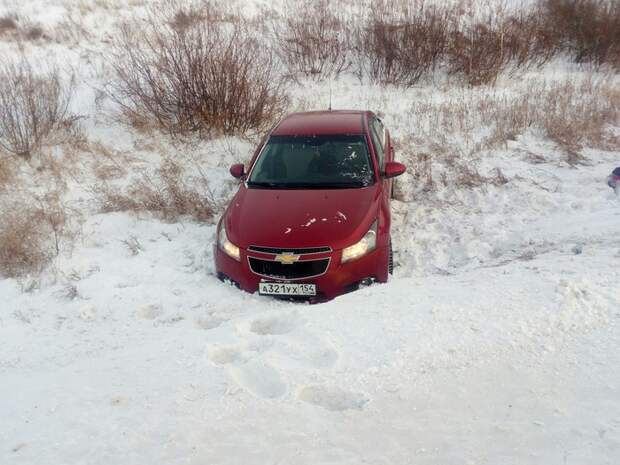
316, 162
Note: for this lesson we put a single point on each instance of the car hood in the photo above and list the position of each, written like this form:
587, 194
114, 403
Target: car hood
300, 218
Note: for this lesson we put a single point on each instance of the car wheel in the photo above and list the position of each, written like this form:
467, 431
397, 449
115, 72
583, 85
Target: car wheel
391, 260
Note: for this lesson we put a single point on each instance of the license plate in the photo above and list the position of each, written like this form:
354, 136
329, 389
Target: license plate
286, 289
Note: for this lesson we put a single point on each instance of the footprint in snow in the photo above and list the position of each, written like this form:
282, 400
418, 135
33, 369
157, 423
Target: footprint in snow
251, 374
258, 378
225, 355
274, 325
150, 311
207, 323
303, 354
332, 398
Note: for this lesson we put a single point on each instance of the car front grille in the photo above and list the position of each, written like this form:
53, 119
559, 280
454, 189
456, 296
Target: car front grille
277, 251
298, 270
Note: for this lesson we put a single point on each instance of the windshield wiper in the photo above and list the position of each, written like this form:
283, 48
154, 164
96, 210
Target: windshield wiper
344, 185
307, 185
263, 184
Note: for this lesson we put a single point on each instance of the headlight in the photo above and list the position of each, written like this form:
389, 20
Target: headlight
365, 245
227, 247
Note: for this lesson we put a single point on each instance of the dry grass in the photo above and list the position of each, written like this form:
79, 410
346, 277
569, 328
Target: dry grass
587, 29
168, 194
13, 27
447, 139
8, 24
33, 230
315, 40
7, 169
23, 243
190, 71
133, 245
575, 111
34, 107
401, 41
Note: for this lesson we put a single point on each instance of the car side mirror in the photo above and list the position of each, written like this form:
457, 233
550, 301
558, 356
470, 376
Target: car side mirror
237, 170
393, 169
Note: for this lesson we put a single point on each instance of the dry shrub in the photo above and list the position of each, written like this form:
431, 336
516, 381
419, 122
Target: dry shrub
6, 172
313, 39
575, 112
23, 244
72, 30
437, 166
8, 23
20, 29
168, 194
400, 41
578, 115
476, 53
588, 29
34, 107
526, 41
32, 232
481, 48
191, 72
34, 32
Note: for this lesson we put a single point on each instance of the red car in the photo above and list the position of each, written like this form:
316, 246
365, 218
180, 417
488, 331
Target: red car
312, 216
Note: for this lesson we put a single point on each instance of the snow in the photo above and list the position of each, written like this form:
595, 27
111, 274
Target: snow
496, 342
512, 361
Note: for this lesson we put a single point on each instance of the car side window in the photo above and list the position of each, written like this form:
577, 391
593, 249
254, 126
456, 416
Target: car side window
377, 134
380, 131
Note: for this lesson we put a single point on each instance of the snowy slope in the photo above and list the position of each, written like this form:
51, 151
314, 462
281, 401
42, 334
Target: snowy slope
510, 361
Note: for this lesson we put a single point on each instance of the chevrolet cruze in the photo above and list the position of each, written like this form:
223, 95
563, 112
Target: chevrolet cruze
311, 218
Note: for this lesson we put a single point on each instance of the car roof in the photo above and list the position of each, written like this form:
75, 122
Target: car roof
321, 123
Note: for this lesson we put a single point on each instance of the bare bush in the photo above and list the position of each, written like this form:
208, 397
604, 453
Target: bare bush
23, 247
313, 39
476, 53
480, 48
400, 42
34, 107
578, 114
8, 23
588, 29
32, 232
574, 113
526, 40
168, 194
20, 29
196, 74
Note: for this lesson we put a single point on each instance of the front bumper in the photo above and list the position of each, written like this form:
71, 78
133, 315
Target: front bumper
339, 278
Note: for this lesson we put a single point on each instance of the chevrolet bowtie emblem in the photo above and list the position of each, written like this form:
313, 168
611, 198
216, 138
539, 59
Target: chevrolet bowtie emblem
287, 258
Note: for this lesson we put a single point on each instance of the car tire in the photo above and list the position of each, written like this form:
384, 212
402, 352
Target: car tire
391, 260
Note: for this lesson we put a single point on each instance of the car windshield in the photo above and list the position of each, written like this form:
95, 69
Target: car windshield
313, 162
